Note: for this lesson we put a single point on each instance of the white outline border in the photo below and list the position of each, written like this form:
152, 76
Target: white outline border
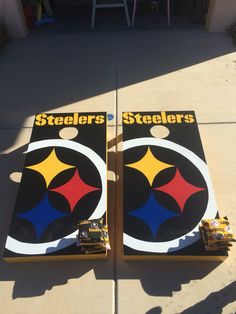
211, 210
53, 246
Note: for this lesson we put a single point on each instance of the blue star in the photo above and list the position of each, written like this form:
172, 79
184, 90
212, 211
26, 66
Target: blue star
41, 216
153, 214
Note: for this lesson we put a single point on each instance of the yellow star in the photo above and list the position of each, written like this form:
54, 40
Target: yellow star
149, 166
50, 167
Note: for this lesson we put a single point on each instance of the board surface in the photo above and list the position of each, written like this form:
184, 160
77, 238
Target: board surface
63, 180
167, 190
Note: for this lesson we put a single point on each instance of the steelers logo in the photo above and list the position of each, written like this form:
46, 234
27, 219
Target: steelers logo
167, 192
65, 182
84, 234
94, 225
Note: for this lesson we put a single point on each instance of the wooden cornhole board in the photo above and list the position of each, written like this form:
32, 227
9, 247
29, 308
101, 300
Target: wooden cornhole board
167, 190
63, 180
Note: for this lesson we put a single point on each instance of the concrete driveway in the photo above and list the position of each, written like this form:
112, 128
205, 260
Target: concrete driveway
117, 71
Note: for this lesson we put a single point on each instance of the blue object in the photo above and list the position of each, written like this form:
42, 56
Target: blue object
153, 214
45, 20
42, 215
110, 116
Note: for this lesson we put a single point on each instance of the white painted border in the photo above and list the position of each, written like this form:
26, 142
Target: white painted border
49, 247
211, 210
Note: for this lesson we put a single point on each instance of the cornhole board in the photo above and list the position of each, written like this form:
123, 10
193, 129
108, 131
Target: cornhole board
63, 181
167, 190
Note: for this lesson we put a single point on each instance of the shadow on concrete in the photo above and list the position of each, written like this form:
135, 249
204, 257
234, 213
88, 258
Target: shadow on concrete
214, 302
35, 278
155, 310
149, 16
158, 278
162, 278
47, 73
9, 163
44, 73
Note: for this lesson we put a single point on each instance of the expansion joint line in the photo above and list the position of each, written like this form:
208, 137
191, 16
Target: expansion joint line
116, 46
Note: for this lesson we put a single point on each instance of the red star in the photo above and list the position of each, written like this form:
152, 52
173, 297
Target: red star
74, 190
179, 189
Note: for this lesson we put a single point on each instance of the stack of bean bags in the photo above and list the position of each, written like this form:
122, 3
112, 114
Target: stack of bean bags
216, 234
93, 236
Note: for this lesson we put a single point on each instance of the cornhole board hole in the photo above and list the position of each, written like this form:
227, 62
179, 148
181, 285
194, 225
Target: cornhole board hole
63, 181
167, 190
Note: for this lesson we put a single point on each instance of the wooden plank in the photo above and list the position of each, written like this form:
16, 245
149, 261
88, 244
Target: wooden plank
63, 181
166, 187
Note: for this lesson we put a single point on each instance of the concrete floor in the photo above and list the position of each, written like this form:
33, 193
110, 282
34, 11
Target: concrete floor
117, 71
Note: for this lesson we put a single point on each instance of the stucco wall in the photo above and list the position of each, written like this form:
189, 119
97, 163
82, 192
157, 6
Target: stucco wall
12, 18
222, 13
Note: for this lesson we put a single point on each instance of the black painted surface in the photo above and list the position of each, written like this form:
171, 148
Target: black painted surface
137, 189
33, 188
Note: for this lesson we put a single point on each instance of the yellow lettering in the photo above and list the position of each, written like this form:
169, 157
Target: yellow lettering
82, 120
90, 119
40, 119
189, 118
179, 118
171, 118
147, 119
50, 120
68, 120
138, 118
163, 117
156, 119
75, 119
128, 117
58, 121
99, 119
